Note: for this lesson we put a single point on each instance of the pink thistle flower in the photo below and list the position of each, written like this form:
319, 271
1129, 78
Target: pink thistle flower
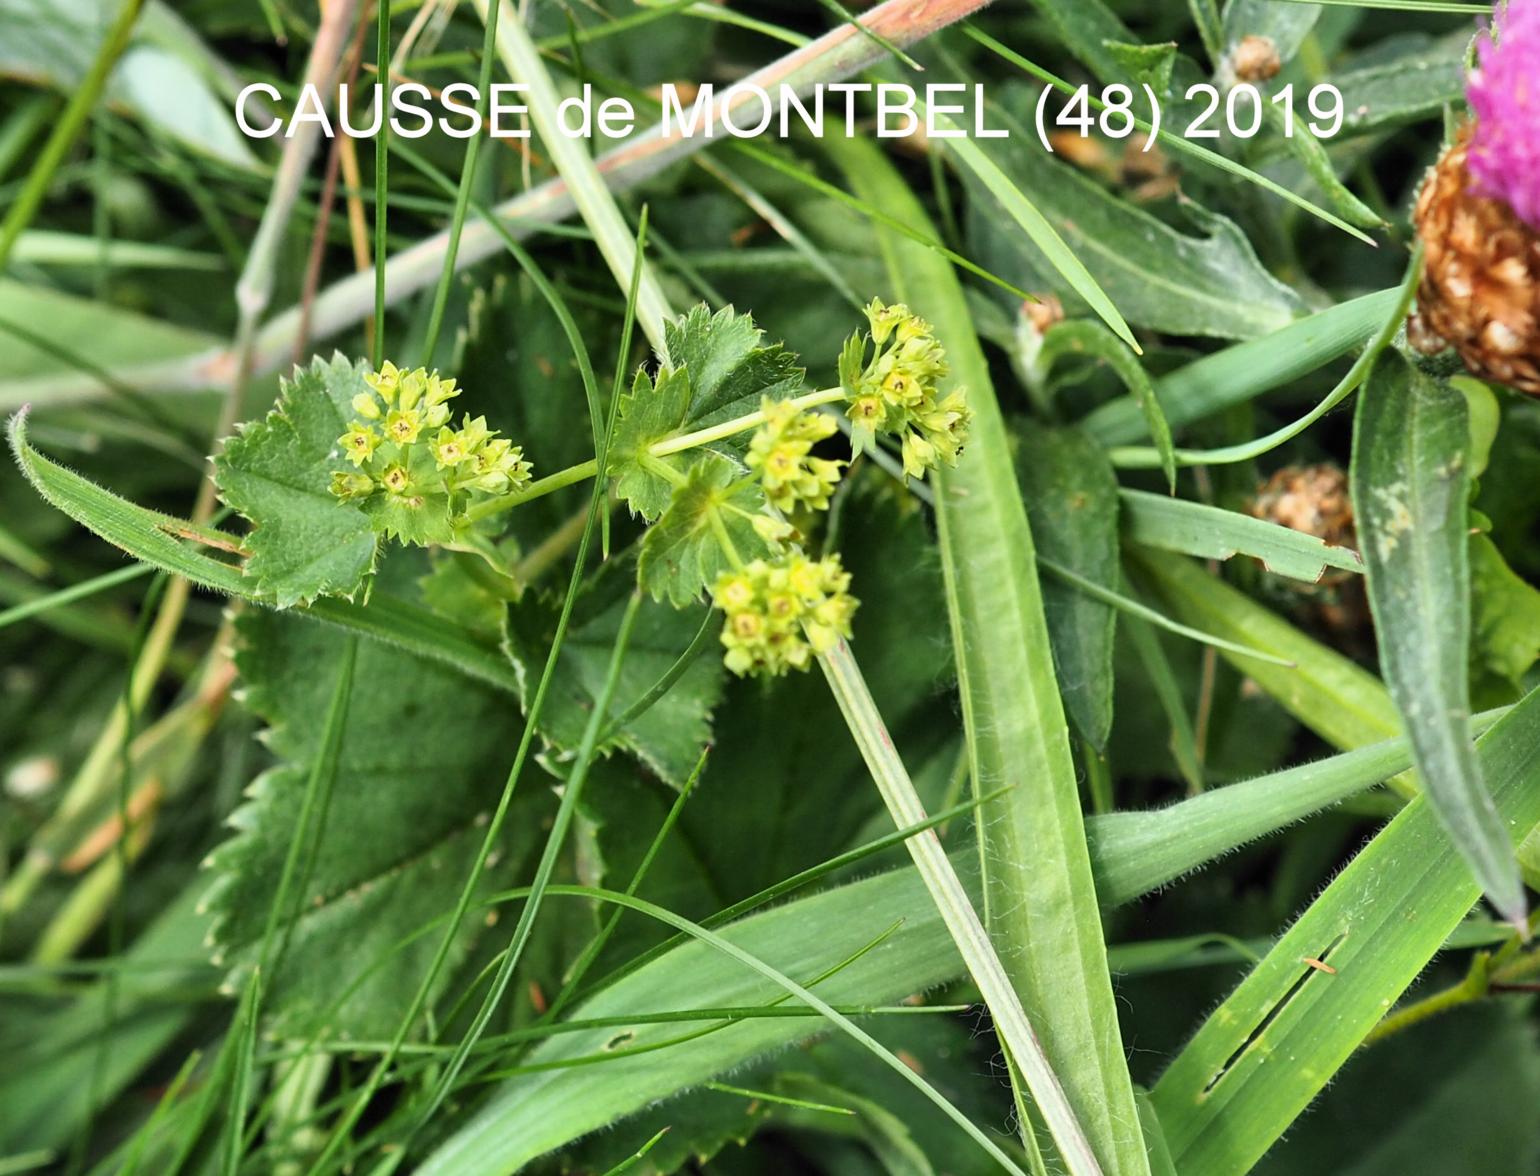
1504, 92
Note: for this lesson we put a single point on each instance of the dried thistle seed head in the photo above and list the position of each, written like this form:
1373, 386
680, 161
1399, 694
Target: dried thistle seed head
1313, 499
1481, 276
1255, 59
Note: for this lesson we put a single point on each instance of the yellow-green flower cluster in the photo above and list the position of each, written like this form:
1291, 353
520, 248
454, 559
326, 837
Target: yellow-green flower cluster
781, 450
781, 613
897, 390
402, 444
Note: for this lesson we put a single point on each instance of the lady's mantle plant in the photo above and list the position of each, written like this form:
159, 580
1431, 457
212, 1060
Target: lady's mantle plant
717, 451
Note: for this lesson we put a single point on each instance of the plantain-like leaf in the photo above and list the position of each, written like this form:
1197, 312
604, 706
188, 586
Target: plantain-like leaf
682, 554
1411, 484
720, 368
305, 542
423, 753
1157, 277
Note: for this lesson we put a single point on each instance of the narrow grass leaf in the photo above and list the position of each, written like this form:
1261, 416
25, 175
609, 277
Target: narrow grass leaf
1040, 900
1209, 532
1244, 371
1032, 222
1271, 1047
1411, 485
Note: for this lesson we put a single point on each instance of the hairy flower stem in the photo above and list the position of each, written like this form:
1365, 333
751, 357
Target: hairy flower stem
946, 890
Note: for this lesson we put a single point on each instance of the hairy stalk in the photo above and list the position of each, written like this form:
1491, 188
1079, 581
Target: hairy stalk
838, 54
584, 470
946, 889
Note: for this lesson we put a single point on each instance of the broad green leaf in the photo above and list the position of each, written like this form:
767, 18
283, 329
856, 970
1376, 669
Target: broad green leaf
683, 552
1193, 528
1090, 30
1157, 277
305, 541
1041, 905
1410, 489
1072, 503
422, 756
1416, 83
1089, 339
1246, 370
719, 368
669, 736
1271, 1047
1505, 615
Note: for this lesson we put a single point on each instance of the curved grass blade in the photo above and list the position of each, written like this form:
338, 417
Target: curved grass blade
1271, 1047
1140, 457
1411, 487
1248, 369
1175, 142
1036, 227
1040, 899
521, 1125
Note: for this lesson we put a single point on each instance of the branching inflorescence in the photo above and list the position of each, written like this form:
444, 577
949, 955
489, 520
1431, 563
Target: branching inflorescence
729, 519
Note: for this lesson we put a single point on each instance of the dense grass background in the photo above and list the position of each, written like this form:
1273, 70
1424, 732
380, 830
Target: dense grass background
307, 889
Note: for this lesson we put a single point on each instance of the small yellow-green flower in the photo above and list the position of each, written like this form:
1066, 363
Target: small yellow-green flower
781, 613
897, 391
448, 450
345, 485
781, 450
404, 447
403, 425
359, 442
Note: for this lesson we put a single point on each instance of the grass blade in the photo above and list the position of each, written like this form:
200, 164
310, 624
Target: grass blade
1209, 532
1268, 1050
1411, 485
1246, 370
1040, 900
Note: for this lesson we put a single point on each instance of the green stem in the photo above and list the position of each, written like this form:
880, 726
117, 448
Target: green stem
946, 890
584, 470
738, 424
